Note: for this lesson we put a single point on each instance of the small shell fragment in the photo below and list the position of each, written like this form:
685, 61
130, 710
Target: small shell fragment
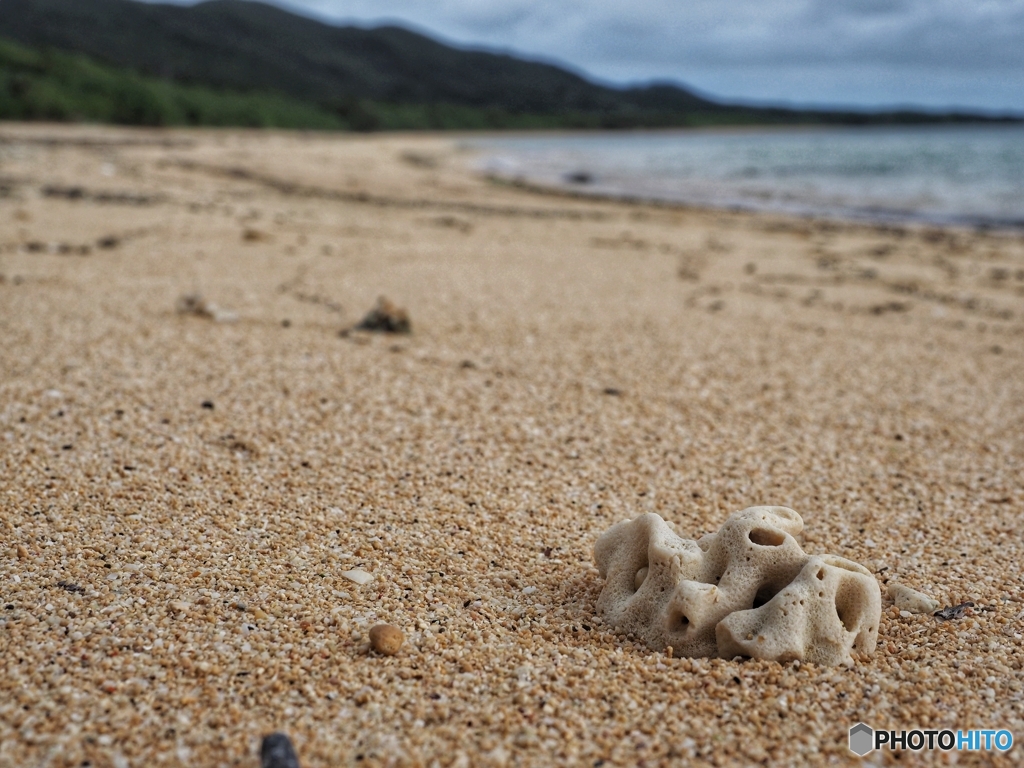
907, 599
358, 575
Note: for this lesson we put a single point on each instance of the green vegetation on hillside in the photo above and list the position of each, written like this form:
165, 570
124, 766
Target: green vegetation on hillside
61, 87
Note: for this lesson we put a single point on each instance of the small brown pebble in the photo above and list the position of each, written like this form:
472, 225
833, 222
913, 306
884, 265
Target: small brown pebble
386, 639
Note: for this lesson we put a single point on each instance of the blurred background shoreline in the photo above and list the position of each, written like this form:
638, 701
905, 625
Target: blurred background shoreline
962, 176
242, 64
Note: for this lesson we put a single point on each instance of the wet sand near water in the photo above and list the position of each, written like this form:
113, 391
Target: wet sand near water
185, 495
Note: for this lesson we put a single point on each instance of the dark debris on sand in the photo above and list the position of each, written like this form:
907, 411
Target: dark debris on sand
385, 318
954, 611
277, 751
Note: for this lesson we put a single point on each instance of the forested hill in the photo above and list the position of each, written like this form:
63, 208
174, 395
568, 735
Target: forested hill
239, 45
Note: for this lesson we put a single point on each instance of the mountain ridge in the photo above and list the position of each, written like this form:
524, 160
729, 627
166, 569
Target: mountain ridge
241, 45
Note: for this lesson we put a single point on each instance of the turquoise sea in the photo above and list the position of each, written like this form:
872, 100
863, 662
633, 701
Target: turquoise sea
971, 175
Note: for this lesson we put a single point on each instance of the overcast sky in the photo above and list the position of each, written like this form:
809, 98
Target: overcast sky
931, 53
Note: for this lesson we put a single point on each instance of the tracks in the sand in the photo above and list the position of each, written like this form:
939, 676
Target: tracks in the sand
294, 189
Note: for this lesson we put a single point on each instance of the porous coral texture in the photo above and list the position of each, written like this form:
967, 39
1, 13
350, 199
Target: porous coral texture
747, 590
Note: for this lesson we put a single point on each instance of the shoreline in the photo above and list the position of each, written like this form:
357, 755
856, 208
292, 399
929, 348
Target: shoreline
616, 166
196, 447
877, 220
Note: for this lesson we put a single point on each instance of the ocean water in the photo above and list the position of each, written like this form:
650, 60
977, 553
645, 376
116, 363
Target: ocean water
969, 175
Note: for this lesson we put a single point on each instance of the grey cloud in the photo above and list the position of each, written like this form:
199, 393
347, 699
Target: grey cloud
912, 35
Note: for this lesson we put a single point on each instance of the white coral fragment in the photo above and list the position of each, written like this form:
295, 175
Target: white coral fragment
746, 590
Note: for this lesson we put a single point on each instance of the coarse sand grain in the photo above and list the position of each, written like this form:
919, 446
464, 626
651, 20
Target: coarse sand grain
180, 499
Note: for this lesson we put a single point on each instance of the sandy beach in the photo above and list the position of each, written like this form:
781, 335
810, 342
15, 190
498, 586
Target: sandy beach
182, 493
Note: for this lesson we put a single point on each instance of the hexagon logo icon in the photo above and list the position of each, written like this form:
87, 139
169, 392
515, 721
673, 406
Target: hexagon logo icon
862, 739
